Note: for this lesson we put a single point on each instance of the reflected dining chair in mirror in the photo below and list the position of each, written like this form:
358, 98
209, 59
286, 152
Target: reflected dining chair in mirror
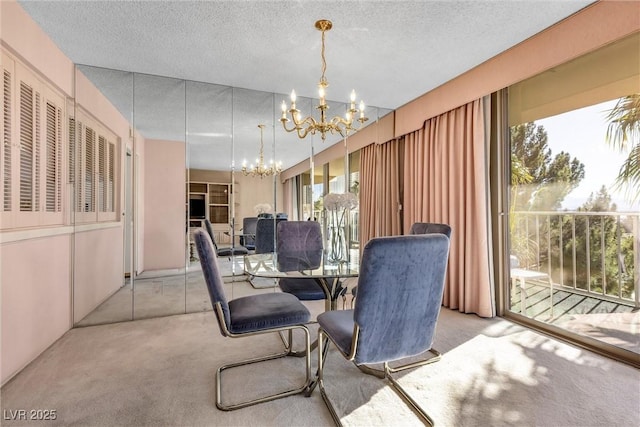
251, 315
400, 286
248, 237
228, 252
299, 247
266, 233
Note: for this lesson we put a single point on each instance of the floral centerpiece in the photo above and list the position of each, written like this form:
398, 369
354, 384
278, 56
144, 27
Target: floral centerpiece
337, 206
262, 208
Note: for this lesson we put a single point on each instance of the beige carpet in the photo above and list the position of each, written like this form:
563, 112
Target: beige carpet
158, 372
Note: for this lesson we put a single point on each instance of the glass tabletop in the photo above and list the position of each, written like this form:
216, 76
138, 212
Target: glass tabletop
268, 265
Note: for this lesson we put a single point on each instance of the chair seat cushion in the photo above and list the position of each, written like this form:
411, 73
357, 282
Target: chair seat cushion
339, 325
303, 289
266, 311
232, 251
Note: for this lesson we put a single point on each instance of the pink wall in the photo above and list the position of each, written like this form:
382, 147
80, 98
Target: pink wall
165, 204
581, 33
36, 302
21, 34
97, 266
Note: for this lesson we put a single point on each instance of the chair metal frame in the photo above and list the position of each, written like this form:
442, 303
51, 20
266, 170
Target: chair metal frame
385, 373
286, 353
373, 351
220, 299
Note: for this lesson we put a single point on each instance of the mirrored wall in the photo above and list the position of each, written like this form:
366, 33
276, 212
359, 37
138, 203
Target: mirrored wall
178, 164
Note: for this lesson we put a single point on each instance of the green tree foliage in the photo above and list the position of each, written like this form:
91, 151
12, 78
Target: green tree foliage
540, 180
603, 248
623, 133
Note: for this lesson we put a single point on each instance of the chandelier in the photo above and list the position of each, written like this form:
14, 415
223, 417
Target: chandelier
260, 169
309, 125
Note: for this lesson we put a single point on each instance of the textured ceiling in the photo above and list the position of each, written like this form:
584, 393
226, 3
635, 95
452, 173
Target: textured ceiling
390, 52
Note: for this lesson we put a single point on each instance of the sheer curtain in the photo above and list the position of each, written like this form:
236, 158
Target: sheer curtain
445, 181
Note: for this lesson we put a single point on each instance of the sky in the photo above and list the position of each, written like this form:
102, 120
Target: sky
581, 133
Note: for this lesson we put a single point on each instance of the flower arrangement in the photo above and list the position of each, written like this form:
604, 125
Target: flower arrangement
338, 205
335, 201
262, 208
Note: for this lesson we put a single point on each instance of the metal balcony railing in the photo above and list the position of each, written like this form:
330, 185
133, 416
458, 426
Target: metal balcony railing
591, 253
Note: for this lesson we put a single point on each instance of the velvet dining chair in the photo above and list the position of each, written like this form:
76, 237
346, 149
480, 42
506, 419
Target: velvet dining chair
249, 316
227, 252
299, 247
400, 286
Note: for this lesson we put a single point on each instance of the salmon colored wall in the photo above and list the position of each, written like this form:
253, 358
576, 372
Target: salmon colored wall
36, 302
98, 267
581, 33
165, 202
21, 34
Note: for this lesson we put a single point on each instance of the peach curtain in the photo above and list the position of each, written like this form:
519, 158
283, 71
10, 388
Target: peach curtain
445, 181
380, 190
367, 194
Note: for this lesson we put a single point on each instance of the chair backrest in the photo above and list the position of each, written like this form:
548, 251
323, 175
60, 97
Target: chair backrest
430, 228
209, 228
298, 245
212, 276
282, 215
400, 291
265, 234
249, 227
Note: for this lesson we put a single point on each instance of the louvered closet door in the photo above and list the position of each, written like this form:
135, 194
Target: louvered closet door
29, 121
94, 170
9, 148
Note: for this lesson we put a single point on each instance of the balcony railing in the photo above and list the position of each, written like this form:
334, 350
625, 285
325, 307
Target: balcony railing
591, 253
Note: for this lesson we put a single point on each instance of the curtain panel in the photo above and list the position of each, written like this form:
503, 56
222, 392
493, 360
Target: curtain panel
368, 203
445, 181
381, 190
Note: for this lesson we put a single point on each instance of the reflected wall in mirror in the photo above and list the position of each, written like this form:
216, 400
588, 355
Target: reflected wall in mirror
179, 146
100, 176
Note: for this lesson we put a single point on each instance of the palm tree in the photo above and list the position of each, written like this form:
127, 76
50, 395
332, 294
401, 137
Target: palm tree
623, 133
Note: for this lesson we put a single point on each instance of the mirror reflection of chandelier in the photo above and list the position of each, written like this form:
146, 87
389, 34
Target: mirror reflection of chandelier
309, 125
260, 169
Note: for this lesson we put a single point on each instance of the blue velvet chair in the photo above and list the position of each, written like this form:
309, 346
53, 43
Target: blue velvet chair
265, 234
251, 315
400, 286
419, 228
430, 228
248, 240
224, 251
299, 247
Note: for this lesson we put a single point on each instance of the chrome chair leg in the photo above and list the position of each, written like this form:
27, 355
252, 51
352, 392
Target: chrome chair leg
288, 345
279, 395
385, 373
380, 373
408, 399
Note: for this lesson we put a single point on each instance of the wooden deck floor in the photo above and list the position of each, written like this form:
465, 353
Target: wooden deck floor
612, 322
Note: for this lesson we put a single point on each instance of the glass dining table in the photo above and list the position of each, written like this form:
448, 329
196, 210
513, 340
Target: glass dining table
328, 274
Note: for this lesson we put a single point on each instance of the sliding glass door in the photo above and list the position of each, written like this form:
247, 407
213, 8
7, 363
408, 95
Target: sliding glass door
574, 194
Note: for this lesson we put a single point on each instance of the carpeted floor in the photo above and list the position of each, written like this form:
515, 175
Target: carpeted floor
160, 372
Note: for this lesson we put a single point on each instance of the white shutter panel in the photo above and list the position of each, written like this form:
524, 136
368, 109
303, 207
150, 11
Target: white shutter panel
89, 170
7, 141
53, 183
102, 174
